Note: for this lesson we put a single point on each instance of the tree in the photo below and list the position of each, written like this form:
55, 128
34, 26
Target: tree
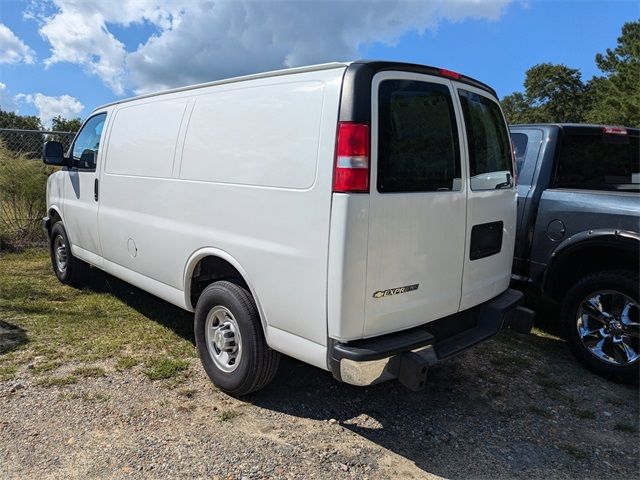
516, 108
13, 120
615, 97
60, 124
553, 93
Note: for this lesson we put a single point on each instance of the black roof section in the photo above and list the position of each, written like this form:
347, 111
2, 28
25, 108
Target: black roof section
355, 104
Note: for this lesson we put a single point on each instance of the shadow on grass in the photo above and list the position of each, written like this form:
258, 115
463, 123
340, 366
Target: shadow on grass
152, 307
11, 337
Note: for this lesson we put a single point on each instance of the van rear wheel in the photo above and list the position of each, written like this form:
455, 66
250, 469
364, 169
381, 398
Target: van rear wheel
69, 269
230, 340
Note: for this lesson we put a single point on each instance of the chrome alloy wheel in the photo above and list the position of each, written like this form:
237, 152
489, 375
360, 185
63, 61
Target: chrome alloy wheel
223, 339
608, 326
60, 252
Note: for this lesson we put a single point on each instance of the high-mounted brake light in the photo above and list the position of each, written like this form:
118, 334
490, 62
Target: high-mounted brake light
448, 73
614, 130
351, 172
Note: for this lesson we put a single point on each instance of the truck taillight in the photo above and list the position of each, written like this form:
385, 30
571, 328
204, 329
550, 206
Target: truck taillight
614, 130
351, 172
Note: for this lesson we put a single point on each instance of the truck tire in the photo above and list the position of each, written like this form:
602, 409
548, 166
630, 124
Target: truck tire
230, 340
601, 320
69, 269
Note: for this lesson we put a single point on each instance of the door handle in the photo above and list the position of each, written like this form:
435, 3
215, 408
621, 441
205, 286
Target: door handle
95, 190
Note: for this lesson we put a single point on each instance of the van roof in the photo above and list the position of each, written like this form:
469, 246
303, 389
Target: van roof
373, 64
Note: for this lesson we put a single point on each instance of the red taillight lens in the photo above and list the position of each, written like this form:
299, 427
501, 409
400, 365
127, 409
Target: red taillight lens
614, 130
448, 73
351, 172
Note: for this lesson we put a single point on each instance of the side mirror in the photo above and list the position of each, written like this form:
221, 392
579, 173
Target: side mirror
53, 154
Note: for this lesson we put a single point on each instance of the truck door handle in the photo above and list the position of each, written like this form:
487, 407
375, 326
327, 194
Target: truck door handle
95, 190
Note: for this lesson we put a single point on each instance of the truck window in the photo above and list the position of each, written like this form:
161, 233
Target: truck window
418, 148
85, 147
489, 145
599, 162
519, 141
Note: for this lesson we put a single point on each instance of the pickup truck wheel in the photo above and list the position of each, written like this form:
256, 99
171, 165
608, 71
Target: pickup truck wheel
230, 340
69, 269
601, 316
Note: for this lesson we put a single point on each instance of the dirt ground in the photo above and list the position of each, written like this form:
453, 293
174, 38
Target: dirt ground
518, 406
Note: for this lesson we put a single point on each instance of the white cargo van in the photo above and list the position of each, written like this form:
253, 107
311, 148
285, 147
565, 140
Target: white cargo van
324, 212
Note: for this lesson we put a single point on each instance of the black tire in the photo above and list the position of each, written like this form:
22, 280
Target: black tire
622, 281
75, 270
257, 364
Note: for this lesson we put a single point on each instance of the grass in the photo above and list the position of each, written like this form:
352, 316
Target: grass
89, 372
7, 372
58, 381
541, 412
126, 363
586, 414
226, 415
163, 368
574, 451
105, 319
623, 427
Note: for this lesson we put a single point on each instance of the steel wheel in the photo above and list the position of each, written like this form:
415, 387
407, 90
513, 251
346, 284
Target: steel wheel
60, 251
223, 338
608, 327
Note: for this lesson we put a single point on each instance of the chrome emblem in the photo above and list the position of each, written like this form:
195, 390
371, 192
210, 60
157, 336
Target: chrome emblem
396, 291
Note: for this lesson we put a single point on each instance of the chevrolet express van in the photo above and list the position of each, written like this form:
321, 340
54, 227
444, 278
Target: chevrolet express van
359, 216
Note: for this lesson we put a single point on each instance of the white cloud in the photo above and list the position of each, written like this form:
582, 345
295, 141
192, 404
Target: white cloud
50, 107
205, 40
7, 103
12, 49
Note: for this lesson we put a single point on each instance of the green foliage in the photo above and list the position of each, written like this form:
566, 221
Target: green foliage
60, 124
161, 368
13, 120
23, 184
616, 95
556, 93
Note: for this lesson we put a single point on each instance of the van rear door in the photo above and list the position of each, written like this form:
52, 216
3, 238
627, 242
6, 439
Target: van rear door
491, 201
417, 210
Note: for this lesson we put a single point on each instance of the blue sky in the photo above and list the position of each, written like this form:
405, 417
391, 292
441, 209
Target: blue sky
69, 57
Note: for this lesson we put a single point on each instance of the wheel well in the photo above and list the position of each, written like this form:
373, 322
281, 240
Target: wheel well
53, 218
583, 260
212, 269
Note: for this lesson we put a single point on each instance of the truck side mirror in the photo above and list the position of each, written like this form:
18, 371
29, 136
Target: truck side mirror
53, 154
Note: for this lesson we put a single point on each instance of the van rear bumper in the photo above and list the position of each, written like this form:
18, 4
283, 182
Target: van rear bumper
408, 354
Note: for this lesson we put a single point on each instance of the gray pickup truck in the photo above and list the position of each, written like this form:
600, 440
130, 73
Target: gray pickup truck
578, 235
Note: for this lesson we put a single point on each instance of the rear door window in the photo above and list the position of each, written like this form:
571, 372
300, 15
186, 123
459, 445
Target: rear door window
519, 141
489, 144
598, 161
418, 149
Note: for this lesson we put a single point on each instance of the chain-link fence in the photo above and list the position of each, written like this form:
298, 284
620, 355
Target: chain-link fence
23, 181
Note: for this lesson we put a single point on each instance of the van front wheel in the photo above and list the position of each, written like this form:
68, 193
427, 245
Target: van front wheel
230, 341
69, 269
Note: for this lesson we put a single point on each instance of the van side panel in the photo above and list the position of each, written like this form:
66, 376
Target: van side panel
274, 224
259, 151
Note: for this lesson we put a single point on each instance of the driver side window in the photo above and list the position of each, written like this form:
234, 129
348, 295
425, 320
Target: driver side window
85, 147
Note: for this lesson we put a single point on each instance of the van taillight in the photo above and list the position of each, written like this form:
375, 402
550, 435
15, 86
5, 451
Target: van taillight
351, 172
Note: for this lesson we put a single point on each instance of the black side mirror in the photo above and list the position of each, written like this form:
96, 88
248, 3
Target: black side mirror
53, 154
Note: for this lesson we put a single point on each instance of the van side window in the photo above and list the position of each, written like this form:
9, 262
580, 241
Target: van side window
489, 145
86, 144
418, 148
